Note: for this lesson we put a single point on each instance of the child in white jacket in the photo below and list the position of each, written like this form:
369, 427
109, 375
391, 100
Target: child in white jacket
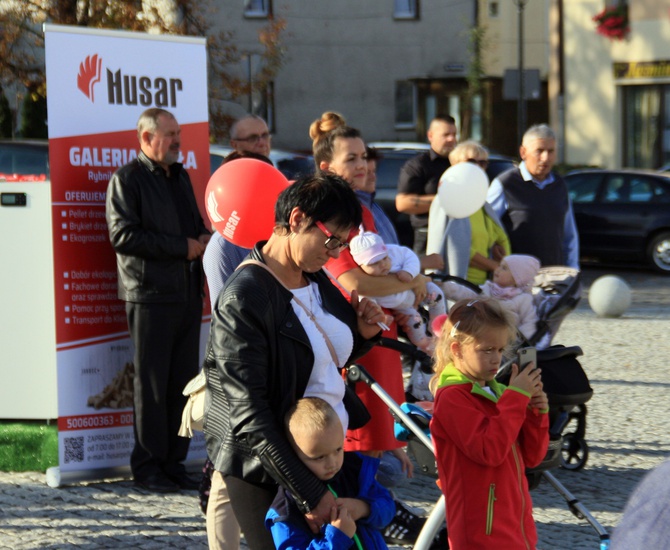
378, 259
511, 285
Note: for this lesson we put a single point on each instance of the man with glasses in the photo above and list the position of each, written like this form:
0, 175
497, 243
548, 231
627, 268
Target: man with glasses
250, 138
417, 183
250, 134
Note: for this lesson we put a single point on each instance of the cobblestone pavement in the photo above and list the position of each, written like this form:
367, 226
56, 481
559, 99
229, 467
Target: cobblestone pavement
625, 360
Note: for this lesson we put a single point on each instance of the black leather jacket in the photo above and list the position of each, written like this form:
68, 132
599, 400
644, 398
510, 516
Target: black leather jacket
258, 364
145, 232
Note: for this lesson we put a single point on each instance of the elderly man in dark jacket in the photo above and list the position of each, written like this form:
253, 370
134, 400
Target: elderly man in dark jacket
159, 237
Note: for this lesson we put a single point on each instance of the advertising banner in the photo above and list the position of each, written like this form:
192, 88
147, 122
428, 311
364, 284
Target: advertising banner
99, 82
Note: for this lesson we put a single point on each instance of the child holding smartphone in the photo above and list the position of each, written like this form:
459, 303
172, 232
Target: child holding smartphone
485, 433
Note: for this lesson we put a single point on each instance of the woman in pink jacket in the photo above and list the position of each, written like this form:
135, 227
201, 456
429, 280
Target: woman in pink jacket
485, 433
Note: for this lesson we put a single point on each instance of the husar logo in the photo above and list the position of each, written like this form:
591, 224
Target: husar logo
127, 89
89, 75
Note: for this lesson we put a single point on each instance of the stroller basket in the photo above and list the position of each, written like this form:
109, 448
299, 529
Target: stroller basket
565, 382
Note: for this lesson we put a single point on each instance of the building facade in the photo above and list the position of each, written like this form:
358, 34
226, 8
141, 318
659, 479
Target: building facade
389, 66
611, 97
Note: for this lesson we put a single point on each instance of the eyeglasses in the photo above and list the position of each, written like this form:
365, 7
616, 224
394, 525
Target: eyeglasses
332, 242
254, 138
483, 163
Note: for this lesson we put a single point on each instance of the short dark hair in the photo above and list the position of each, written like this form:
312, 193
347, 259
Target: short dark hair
372, 153
444, 118
235, 155
321, 197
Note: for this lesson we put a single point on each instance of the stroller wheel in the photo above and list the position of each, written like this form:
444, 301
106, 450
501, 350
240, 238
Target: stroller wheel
574, 452
534, 479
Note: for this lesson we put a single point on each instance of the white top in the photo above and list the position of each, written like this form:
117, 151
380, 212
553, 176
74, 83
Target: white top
325, 381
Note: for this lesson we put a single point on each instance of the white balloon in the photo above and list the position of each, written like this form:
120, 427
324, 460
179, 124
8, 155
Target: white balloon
463, 188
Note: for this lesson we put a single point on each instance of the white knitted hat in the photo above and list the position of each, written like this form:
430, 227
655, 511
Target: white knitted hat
367, 248
523, 269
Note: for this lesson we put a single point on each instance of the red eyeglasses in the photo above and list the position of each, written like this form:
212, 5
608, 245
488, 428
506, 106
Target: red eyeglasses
332, 242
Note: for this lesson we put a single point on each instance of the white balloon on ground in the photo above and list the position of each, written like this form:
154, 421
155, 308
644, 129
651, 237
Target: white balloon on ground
609, 296
463, 188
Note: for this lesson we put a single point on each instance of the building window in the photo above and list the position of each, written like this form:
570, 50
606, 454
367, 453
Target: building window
405, 104
257, 8
406, 9
494, 9
646, 125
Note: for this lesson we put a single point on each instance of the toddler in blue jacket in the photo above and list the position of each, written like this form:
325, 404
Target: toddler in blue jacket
364, 507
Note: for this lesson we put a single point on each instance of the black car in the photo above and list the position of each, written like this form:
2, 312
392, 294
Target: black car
392, 158
622, 215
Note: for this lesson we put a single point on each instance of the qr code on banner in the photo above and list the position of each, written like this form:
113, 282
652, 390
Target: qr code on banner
74, 449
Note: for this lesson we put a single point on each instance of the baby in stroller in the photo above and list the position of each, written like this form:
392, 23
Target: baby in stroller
378, 259
512, 284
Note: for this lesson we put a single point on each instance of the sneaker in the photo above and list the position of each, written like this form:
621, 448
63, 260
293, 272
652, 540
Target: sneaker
405, 526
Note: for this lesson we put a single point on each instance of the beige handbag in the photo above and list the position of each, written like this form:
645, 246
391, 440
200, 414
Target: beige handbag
194, 411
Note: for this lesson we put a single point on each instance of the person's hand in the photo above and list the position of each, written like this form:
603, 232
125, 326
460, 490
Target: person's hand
432, 261
342, 520
419, 288
356, 507
204, 238
369, 313
316, 517
402, 318
404, 276
539, 401
497, 252
528, 380
195, 249
405, 462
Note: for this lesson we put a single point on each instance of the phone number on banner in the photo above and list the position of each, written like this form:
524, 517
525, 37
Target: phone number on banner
91, 421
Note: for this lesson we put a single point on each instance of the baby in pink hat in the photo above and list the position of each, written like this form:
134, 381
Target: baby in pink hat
378, 259
512, 284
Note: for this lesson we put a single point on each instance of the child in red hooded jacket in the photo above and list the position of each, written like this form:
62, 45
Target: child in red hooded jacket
485, 433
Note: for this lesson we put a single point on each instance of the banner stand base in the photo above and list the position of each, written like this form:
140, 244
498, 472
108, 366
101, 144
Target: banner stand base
55, 478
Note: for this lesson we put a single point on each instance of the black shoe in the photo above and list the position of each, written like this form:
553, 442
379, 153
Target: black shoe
184, 481
441, 540
157, 483
405, 526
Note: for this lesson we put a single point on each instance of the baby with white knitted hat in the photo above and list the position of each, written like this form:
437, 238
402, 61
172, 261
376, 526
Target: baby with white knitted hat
378, 259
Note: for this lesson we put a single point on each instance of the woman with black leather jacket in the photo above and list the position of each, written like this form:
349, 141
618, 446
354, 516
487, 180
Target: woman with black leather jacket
281, 331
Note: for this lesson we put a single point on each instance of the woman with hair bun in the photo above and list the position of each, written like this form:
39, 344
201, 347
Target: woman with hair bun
339, 149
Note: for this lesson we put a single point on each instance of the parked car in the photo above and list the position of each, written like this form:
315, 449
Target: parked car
289, 163
24, 160
393, 155
622, 215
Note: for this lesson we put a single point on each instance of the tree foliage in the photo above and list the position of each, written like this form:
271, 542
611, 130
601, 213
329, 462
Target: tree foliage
22, 41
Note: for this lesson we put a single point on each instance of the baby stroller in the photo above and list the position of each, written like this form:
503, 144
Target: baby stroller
556, 293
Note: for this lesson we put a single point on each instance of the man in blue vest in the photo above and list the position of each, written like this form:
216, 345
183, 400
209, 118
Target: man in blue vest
533, 203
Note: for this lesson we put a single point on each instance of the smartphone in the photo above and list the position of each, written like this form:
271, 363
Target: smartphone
527, 356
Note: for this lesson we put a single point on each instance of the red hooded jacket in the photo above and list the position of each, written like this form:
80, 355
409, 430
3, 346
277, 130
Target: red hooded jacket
483, 446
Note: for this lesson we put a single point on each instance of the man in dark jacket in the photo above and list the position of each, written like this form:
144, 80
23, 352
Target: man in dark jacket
159, 237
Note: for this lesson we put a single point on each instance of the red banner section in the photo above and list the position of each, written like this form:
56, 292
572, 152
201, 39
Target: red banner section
87, 306
94, 421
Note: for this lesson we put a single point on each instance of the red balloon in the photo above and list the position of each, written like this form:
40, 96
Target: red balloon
240, 199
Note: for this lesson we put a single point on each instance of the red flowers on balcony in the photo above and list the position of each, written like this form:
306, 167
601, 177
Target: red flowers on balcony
613, 22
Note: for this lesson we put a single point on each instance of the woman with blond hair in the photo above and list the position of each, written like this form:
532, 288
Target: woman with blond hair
471, 247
